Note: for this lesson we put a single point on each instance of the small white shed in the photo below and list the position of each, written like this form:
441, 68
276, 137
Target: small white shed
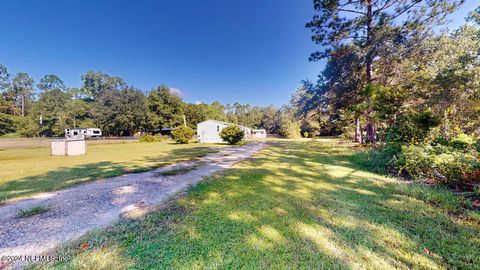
259, 133
208, 131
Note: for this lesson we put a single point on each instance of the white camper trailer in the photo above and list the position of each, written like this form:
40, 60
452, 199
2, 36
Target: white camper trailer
82, 133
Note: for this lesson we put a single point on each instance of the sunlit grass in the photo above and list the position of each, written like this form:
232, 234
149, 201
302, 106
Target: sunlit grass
297, 205
32, 170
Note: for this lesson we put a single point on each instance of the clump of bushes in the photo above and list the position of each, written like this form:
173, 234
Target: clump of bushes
150, 138
182, 134
289, 129
232, 134
454, 161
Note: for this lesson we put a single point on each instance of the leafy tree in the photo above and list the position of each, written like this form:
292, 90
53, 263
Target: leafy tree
96, 84
232, 134
196, 113
4, 78
53, 107
270, 120
289, 127
51, 82
182, 134
369, 25
166, 108
21, 90
6, 124
121, 112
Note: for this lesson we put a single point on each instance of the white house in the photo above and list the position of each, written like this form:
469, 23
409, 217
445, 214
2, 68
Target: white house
208, 131
259, 133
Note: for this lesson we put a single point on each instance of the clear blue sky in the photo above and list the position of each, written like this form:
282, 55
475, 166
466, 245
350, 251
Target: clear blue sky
250, 51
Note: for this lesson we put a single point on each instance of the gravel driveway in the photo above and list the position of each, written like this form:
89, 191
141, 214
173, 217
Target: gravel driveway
74, 211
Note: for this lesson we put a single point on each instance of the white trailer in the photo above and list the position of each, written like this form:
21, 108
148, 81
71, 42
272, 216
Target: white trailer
79, 133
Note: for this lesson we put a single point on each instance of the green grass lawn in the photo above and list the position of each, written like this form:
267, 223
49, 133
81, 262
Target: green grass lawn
297, 205
32, 170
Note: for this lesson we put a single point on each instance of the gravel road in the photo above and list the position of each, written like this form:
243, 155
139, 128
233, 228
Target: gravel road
74, 211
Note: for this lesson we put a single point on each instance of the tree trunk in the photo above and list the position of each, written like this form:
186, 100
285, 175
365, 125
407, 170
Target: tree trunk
358, 130
371, 132
23, 104
371, 136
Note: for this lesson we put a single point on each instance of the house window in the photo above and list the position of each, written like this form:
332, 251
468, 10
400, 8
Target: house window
218, 128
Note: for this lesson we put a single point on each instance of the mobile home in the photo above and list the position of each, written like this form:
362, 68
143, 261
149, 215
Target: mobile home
208, 131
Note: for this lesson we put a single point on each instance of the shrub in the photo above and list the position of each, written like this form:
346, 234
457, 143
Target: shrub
305, 134
150, 138
232, 134
6, 124
462, 141
412, 126
182, 134
289, 129
457, 167
416, 161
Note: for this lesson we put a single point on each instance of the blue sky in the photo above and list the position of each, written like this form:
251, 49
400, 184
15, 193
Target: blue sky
250, 51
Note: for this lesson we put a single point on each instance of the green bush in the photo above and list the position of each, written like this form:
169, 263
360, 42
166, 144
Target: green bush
182, 134
289, 129
416, 161
6, 124
462, 141
150, 138
412, 127
232, 134
457, 167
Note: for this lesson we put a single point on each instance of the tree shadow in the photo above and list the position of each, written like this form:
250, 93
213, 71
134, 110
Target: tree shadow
69, 176
297, 206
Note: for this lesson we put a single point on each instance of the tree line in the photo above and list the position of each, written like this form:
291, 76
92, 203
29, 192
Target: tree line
393, 82
48, 107
388, 72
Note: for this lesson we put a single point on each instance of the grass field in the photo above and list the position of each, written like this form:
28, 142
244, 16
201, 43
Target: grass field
297, 205
32, 170
22, 143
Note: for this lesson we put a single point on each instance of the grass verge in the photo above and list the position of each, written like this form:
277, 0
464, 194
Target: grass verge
36, 210
181, 170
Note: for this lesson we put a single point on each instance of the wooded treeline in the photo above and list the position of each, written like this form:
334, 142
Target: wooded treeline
390, 78
119, 109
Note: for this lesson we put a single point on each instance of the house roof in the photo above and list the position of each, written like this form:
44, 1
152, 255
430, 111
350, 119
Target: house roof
225, 123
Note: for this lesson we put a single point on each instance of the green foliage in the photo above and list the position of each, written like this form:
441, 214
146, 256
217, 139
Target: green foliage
455, 167
182, 134
36, 210
7, 124
166, 108
413, 126
462, 142
150, 138
232, 134
289, 129
120, 113
51, 82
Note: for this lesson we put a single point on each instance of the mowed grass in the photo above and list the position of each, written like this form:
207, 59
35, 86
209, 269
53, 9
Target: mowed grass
296, 205
32, 170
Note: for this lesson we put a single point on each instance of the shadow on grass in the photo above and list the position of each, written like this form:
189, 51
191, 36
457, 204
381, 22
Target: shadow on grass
293, 207
68, 176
